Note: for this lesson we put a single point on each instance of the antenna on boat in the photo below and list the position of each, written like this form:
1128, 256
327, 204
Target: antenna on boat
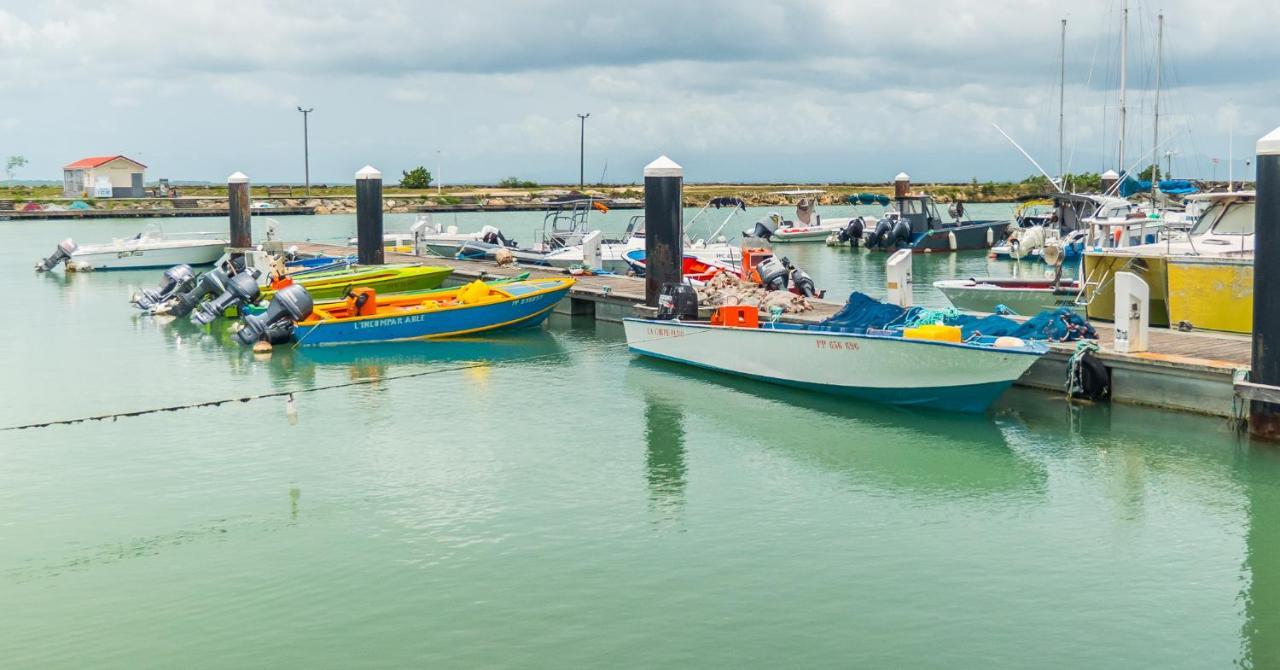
1124, 74
1033, 161
1155, 139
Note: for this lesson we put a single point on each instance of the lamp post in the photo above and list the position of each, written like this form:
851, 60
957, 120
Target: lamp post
582, 140
306, 151
439, 176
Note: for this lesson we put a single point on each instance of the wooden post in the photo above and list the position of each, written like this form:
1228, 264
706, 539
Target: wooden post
238, 204
1264, 417
369, 216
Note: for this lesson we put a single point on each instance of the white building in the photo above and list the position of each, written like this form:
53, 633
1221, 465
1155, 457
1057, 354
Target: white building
103, 177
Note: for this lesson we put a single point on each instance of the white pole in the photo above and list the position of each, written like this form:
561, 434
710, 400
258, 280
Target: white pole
1155, 139
439, 174
1231, 167
1062, 96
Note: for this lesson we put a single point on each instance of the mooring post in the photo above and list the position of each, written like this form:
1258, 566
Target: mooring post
238, 205
369, 216
1264, 417
663, 226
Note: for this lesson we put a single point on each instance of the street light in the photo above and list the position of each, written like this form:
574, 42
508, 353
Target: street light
1168, 164
582, 140
306, 151
439, 175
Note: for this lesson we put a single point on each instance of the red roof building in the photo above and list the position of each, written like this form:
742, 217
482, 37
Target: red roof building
103, 177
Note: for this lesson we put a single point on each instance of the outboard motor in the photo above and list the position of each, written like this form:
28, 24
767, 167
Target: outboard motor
290, 305
880, 236
177, 279
773, 273
852, 233
677, 301
901, 234
62, 253
210, 283
241, 289
759, 230
801, 281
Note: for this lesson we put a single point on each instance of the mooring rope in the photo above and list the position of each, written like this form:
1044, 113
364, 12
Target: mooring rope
327, 387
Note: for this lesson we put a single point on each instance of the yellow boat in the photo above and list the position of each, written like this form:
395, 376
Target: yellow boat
1202, 279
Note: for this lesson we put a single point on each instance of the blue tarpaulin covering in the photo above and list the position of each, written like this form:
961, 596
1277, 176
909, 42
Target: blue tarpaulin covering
1177, 187
1129, 186
862, 312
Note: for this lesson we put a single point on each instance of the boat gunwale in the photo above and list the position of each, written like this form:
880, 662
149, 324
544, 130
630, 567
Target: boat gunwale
564, 283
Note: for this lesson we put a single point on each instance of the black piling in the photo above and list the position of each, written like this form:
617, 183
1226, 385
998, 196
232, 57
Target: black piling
369, 216
1264, 417
238, 201
663, 226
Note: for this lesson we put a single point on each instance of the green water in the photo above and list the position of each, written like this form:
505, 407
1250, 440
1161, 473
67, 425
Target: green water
561, 504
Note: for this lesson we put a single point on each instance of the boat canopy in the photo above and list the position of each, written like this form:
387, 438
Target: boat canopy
1177, 187
869, 199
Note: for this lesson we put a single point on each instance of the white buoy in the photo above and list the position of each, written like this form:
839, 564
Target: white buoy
951, 239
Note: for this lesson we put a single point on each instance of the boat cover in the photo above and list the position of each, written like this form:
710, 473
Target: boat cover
1177, 187
862, 312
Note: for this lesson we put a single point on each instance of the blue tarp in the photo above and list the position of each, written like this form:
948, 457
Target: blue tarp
862, 312
869, 199
1177, 187
1130, 186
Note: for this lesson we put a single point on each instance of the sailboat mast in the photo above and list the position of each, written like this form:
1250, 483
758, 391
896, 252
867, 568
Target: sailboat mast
1062, 96
1155, 131
1124, 78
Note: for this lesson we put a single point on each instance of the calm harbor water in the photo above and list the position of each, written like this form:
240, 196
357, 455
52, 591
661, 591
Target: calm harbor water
543, 499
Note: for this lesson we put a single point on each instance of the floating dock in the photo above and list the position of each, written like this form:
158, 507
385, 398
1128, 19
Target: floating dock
1194, 372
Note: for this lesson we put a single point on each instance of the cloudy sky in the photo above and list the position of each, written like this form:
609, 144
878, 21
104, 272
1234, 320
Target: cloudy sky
821, 90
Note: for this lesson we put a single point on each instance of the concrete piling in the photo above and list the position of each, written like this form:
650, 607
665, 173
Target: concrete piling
1264, 417
369, 216
663, 226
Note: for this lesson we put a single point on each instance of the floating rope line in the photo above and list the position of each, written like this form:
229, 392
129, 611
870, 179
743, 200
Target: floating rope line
327, 387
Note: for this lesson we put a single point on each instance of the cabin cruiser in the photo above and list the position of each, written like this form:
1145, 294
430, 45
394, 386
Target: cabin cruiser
152, 248
1200, 279
915, 223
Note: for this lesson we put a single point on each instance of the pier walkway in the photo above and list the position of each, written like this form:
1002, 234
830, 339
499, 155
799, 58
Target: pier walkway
1193, 371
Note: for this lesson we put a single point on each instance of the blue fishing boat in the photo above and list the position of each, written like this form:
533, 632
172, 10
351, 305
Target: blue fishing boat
366, 317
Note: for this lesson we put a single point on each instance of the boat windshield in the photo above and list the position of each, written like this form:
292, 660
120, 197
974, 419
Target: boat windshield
1234, 218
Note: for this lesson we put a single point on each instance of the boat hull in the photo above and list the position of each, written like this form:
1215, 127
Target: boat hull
1099, 274
968, 237
1211, 293
382, 280
953, 377
1024, 300
806, 234
139, 257
530, 306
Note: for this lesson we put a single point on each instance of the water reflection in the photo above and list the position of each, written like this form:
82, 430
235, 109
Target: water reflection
932, 453
664, 455
1261, 630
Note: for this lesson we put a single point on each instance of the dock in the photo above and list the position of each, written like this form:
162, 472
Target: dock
148, 213
1193, 372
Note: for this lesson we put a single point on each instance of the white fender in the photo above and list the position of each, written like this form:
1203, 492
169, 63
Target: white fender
990, 237
951, 238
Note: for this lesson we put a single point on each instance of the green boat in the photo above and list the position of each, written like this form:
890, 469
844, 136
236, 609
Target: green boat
261, 306
382, 279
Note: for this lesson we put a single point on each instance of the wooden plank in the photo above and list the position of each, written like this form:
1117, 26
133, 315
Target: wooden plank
1254, 391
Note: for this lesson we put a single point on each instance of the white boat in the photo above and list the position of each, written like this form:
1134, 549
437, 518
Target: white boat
151, 248
1025, 297
963, 377
808, 225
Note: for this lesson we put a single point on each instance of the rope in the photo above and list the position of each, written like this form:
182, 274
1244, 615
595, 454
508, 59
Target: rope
1073, 365
328, 387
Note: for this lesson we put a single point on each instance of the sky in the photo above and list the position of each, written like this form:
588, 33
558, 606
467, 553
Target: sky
803, 91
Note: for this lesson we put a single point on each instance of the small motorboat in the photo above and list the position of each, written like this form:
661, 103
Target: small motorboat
366, 316
808, 225
1019, 296
382, 278
923, 366
695, 268
151, 248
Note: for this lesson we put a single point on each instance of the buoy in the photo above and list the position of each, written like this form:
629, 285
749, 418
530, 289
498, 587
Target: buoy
262, 347
990, 236
951, 239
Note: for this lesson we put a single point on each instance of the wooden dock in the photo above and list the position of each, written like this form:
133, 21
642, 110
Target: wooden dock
1192, 372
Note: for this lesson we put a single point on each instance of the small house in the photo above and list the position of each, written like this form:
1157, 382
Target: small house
103, 177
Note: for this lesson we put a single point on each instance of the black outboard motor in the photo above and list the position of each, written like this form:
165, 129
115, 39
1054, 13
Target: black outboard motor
880, 236
852, 233
801, 280
677, 301
759, 230
773, 273
177, 279
290, 305
210, 283
901, 234
62, 253
241, 289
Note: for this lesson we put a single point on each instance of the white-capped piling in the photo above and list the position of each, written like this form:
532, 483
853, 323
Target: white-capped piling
901, 185
663, 226
1264, 417
238, 201
369, 216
